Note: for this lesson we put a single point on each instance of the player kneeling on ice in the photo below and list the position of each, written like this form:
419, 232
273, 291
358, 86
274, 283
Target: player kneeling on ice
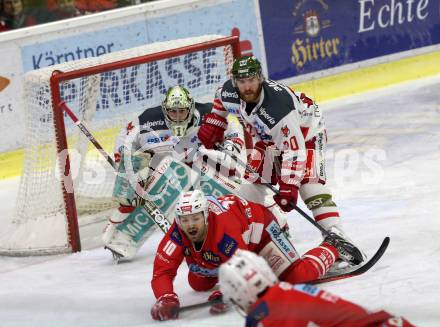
166, 130
207, 231
248, 282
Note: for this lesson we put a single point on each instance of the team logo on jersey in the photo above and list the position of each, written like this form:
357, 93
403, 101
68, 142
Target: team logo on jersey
175, 235
227, 245
285, 130
209, 256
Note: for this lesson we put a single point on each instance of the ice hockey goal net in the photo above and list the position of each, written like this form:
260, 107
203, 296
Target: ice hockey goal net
61, 190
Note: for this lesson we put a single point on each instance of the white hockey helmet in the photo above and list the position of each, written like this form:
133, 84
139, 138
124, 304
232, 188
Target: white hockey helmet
243, 277
178, 97
191, 202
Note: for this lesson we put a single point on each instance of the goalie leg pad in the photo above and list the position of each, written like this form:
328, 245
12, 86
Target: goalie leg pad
169, 179
127, 236
132, 169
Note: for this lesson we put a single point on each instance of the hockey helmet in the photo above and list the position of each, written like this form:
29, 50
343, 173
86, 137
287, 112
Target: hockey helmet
247, 66
191, 202
176, 99
243, 277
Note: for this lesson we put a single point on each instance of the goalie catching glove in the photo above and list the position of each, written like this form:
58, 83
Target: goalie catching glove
166, 307
212, 130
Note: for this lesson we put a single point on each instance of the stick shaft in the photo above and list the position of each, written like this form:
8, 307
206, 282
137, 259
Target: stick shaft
149, 206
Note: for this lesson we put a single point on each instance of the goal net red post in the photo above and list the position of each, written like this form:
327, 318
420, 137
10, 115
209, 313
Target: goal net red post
66, 183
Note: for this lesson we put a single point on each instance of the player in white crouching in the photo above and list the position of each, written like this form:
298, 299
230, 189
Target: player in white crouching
286, 133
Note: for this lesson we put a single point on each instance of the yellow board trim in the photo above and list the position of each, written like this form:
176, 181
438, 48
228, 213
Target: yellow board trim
321, 90
369, 78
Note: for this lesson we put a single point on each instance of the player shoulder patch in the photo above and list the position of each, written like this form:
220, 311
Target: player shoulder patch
227, 245
260, 312
176, 236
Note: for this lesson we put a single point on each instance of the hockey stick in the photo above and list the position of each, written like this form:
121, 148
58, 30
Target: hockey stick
358, 256
150, 207
199, 305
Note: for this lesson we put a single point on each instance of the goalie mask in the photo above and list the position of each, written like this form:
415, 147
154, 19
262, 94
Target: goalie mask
190, 203
178, 109
243, 277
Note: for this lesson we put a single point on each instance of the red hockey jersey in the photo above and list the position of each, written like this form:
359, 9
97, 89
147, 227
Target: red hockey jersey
302, 305
232, 223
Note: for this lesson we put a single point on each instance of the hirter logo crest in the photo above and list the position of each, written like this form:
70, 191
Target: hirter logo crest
311, 22
285, 130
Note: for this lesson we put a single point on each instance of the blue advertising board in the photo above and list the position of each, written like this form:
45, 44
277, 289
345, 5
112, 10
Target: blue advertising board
223, 18
305, 36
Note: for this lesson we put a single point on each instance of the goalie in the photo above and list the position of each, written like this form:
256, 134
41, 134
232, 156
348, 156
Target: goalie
169, 129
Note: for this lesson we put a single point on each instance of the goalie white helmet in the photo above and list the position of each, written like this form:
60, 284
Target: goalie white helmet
191, 202
243, 277
178, 109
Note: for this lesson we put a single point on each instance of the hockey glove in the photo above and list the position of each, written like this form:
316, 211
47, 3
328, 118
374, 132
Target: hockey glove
212, 129
218, 306
166, 307
287, 197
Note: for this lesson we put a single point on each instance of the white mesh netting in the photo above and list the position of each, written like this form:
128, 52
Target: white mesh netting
105, 102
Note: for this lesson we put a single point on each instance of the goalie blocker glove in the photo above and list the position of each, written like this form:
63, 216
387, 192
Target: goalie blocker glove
166, 307
212, 130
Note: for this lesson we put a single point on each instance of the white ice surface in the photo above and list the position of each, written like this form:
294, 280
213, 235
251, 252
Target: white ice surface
395, 193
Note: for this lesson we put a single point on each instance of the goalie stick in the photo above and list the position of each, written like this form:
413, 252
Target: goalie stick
356, 254
150, 207
352, 272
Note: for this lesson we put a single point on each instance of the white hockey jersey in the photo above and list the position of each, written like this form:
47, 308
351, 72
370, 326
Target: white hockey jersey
283, 121
150, 133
